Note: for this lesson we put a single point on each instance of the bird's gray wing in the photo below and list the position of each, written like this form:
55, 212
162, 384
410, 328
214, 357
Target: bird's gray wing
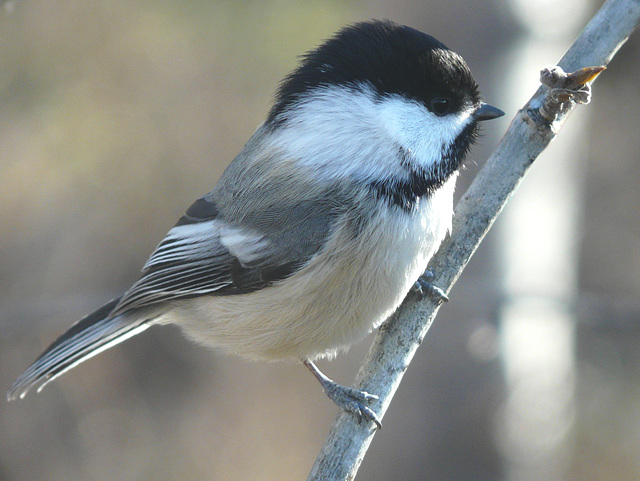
206, 254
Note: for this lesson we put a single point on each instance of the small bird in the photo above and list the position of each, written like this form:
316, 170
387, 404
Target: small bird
321, 225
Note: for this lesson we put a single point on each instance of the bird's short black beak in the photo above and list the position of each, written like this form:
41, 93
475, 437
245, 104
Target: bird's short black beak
487, 112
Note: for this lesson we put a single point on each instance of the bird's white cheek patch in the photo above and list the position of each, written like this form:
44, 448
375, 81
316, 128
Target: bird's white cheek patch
419, 131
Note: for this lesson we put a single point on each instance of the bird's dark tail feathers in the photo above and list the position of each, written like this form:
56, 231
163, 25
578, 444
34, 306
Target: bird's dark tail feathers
89, 336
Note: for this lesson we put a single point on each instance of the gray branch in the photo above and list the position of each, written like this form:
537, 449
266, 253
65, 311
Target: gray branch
399, 337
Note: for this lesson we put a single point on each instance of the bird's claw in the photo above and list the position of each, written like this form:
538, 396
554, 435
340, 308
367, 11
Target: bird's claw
424, 288
353, 400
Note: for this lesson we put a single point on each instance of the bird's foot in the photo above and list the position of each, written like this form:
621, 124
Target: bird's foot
352, 400
347, 398
424, 288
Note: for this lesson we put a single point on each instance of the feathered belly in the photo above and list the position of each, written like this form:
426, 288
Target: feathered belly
344, 292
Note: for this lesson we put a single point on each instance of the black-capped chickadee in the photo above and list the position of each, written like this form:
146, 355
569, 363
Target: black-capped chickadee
322, 223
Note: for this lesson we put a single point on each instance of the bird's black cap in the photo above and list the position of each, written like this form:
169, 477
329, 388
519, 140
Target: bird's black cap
390, 59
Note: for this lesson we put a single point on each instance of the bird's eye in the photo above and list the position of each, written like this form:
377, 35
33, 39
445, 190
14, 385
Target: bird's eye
440, 106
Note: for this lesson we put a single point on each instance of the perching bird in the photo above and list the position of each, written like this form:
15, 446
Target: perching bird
322, 223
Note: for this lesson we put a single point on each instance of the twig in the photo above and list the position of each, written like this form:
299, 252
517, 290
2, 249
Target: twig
528, 135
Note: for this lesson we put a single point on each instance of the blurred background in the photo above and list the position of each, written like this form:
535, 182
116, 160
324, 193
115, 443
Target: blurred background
115, 116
